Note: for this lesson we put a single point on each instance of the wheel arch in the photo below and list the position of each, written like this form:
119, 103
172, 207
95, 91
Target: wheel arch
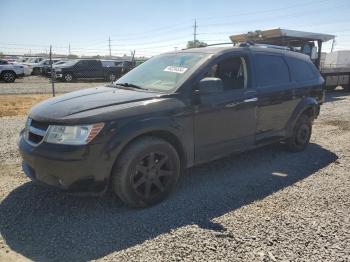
308, 106
164, 134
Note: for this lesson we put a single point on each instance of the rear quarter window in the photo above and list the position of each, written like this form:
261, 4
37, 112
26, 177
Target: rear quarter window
271, 70
300, 70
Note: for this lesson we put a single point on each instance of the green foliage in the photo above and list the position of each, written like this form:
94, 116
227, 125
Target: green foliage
192, 44
71, 56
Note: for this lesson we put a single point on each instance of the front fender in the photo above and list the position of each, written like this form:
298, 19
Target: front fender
306, 103
124, 134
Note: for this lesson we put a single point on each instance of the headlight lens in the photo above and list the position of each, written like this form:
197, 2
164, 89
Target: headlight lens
72, 135
58, 69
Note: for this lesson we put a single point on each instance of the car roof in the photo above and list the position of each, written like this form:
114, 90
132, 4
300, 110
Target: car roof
252, 48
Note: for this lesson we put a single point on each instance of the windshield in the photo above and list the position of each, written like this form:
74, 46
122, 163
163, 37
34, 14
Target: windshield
162, 72
70, 62
31, 60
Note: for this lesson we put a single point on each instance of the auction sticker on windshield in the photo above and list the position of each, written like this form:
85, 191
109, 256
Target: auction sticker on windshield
176, 69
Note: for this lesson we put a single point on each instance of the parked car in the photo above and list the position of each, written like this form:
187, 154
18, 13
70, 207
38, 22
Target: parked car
172, 112
9, 72
26, 69
34, 63
45, 66
86, 68
123, 67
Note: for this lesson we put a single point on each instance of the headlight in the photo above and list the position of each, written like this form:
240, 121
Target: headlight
58, 69
72, 135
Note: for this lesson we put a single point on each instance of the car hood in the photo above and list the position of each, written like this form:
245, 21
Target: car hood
88, 100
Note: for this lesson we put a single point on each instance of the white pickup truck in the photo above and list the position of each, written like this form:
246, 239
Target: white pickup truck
9, 72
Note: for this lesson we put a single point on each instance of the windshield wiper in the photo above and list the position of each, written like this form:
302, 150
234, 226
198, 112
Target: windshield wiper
131, 85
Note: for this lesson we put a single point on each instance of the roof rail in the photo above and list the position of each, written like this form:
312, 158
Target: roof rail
250, 43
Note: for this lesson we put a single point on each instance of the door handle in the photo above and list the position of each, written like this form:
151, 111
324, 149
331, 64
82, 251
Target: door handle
248, 100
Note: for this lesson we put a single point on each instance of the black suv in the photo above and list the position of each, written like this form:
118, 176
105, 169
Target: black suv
86, 68
172, 112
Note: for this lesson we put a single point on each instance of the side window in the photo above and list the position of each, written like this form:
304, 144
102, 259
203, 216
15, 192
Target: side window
301, 70
232, 71
82, 63
92, 63
271, 70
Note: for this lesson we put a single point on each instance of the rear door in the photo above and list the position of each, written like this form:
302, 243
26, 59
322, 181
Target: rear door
276, 100
94, 69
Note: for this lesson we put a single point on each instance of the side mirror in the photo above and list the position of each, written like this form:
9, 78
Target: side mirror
210, 85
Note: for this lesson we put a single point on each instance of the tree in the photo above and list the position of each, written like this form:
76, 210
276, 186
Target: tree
192, 44
71, 56
1, 54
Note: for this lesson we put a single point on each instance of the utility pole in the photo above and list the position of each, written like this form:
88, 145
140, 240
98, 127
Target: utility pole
333, 43
109, 47
195, 33
52, 74
69, 49
133, 55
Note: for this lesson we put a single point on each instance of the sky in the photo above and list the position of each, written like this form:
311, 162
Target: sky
153, 27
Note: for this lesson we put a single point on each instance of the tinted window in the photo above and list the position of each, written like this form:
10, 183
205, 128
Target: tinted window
92, 63
301, 70
271, 70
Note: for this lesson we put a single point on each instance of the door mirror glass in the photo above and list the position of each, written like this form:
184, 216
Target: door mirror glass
210, 85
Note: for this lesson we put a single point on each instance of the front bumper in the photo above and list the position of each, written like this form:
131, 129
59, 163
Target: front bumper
58, 75
80, 169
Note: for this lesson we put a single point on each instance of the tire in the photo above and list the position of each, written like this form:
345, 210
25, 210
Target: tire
146, 172
8, 76
301, 134
68, 77
111, 77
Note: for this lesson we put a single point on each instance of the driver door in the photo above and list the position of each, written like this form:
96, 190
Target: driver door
225, 122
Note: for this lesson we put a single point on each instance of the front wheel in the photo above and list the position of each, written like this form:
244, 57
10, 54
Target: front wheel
146, 172
301, 134
8, 76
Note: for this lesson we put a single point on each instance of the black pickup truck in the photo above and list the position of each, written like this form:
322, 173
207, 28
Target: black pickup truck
172, 112
87, 68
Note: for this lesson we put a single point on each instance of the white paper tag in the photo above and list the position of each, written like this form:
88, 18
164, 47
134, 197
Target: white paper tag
176, 69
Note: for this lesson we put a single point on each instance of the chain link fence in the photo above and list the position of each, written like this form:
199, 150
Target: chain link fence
53, 74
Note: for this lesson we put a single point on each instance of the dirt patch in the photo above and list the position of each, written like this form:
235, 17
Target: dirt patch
14, 105
341, 124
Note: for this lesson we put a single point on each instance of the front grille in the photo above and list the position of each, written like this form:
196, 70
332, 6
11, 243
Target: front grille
36, 139
36, 131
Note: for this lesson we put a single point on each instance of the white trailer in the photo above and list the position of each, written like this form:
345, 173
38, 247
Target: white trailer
335, 70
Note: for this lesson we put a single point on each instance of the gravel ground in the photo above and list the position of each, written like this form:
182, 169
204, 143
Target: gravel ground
263, 205
42, 85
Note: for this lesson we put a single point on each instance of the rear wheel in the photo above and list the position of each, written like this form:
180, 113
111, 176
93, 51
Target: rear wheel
68, 77
146, 172
8, 76
301, 134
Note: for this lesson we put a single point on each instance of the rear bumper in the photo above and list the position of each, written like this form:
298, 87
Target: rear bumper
70, 168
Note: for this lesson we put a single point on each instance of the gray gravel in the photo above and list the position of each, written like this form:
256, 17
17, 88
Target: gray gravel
42, 85
263, 205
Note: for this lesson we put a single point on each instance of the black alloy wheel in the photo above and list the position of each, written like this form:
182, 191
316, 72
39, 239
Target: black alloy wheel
146, 172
